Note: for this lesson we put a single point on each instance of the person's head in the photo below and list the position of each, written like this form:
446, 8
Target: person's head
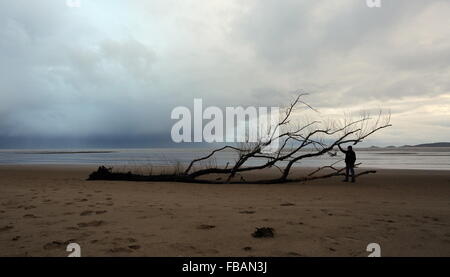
349, 148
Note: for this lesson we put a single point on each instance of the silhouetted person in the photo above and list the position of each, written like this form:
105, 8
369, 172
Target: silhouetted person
350, 159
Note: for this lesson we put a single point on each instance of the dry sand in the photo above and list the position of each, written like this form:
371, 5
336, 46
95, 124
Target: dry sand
43, 208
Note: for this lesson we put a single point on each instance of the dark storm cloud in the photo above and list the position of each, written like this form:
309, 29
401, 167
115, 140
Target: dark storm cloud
116, 69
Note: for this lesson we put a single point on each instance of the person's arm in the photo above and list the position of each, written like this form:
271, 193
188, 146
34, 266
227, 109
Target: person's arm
342, 150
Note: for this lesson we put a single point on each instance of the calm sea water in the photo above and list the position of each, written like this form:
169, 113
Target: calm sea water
407, 158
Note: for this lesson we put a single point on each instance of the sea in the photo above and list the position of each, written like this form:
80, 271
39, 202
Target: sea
427, 158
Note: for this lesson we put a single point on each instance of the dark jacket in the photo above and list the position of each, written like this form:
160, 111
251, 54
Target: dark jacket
350, 156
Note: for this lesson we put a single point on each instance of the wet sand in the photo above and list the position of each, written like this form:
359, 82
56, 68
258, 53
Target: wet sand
44, 208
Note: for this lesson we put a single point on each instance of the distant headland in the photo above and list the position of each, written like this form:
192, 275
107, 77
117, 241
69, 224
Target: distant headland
435, 144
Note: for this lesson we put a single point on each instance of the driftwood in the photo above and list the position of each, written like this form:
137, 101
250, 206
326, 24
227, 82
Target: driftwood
107, 174
298, 143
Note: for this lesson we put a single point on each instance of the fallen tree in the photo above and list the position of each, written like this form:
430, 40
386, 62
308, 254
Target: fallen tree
298, 142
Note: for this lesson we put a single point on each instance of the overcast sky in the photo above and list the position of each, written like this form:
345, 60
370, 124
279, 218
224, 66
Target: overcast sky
114, 70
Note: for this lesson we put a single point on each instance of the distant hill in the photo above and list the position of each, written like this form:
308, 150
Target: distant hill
437, 144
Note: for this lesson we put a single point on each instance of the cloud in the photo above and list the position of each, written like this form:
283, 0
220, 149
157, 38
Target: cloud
115, 68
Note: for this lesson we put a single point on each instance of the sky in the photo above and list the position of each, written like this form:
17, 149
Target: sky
109, 72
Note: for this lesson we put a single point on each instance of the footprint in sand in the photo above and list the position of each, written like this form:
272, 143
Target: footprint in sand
294, 223
134, 247
85, 213
30, 216
95, 223
54, 245
247, 212
6, 228
385, 220
57, 244
205, 227
295, 254
80, 199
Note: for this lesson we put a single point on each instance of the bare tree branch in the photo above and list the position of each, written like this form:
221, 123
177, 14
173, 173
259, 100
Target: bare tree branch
312, 139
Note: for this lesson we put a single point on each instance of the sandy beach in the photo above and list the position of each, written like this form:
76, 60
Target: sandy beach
43, 208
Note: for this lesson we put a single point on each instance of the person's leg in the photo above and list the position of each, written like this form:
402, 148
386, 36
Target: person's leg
352, 171
347, 167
